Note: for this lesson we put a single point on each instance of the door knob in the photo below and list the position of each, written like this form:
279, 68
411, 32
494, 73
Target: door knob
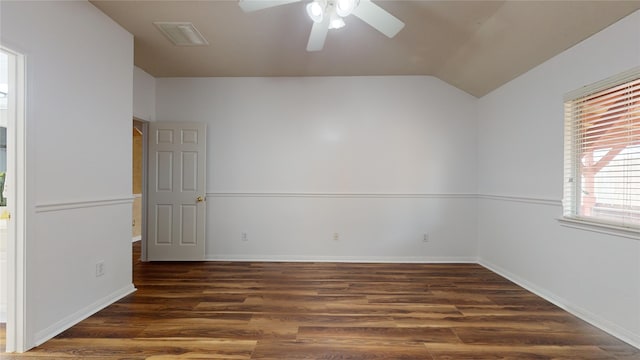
200, 199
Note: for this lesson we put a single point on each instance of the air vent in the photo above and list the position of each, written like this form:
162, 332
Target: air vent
181, 33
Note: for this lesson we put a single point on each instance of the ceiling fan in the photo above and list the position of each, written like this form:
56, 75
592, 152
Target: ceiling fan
330, 14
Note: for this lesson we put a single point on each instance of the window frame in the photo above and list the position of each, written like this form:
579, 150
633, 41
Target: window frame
572, 183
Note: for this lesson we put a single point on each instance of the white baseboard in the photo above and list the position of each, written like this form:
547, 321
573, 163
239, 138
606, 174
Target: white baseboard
64, 324
593, 319
136, 238
345, 259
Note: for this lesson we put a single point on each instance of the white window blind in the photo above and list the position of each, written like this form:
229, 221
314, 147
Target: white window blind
602, 152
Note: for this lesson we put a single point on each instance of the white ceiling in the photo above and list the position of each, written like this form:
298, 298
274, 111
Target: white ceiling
473, 45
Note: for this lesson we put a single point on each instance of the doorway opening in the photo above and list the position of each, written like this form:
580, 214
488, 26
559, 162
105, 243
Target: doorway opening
137, 144
139, 176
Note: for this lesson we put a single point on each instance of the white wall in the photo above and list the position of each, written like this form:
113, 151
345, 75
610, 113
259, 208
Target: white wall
520, 167
79, 90
291, 161
144, 95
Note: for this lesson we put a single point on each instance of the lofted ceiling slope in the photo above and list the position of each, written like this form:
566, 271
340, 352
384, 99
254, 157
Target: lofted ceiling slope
475, 46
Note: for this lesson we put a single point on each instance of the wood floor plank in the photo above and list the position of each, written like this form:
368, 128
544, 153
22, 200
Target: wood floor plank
622, 351
492, 352
396, 310
343, 320
339, 350
144, 348
519, 337
275, 310
530, 322
397, 335
429, 299
516, 310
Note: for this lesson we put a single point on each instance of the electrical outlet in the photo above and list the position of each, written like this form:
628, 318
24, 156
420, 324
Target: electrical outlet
244, 237
99, 268
336, 236
425, 238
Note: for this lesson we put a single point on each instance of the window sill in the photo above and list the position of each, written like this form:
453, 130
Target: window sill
600, 228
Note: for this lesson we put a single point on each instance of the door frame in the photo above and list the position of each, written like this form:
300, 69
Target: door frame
16, 328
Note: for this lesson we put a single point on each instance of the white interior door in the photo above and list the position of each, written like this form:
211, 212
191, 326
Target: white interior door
176, 209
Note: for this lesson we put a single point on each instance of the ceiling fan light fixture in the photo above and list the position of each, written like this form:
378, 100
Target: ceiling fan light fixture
315, 10
336, 22
346, 7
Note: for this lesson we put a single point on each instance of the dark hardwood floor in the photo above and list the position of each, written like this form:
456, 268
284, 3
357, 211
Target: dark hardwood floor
240, 310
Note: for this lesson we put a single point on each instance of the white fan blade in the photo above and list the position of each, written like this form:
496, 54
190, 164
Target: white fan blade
318, 35
255, 5
378, 18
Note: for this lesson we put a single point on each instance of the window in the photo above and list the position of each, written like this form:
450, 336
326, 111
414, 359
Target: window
602, 152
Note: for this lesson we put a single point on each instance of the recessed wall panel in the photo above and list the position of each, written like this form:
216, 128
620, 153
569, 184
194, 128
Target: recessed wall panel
164, 217
164, 169
189, 221
189, 171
